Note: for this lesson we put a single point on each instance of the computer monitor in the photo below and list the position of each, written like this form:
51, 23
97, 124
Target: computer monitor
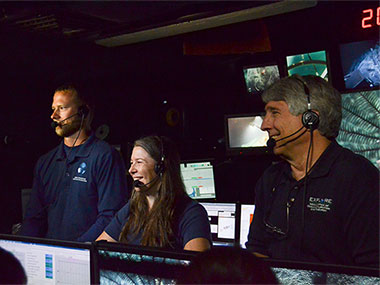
52, 261
222, 217
361, 64
309, 63
126, 264
258, 78
243, 134
359, 130
246, 217
198, 177
293, 272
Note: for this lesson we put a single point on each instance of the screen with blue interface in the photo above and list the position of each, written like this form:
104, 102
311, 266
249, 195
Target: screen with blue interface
198, 178
51, 264
361, 64
222, 217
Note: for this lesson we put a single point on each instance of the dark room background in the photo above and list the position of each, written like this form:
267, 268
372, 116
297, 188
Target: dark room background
198, 74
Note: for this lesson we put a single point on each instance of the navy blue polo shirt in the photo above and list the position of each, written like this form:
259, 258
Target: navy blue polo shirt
75, 197
336, 222
191, 221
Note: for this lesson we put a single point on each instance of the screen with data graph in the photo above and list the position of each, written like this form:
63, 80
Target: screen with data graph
48, 262
198, 177
222, 217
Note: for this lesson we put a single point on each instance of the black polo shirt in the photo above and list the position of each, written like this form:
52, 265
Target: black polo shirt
334, 219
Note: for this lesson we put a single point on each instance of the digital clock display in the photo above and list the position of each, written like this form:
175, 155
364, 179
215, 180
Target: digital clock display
371, 18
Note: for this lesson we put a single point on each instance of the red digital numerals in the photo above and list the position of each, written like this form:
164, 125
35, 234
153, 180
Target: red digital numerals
368, 18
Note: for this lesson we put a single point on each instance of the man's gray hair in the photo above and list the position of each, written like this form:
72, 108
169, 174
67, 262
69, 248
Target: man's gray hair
324, 98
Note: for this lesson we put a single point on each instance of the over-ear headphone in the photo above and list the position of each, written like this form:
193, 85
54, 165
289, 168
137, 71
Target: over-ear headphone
310, 119
83, 111
160, 166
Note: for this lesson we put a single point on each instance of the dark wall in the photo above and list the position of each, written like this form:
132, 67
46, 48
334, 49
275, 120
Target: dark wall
130, 84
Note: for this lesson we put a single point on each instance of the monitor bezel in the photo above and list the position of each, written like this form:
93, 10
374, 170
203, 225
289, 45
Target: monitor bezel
328, 62
212, 162
141, 250
62, 243
323, 267
258, 65
236, 241
242, 151
344, 89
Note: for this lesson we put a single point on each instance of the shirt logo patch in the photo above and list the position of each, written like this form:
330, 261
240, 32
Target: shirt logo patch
320, 204
82, 168
81, 179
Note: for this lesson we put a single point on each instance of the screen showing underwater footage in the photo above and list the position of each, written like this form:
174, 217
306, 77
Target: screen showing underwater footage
360, 127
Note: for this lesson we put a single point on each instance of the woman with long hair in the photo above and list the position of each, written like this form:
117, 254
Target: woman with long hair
159, 213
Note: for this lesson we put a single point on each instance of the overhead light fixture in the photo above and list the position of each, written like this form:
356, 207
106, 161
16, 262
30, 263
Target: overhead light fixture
268, 10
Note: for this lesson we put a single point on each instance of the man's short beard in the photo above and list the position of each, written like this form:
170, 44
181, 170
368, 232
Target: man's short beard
68, 129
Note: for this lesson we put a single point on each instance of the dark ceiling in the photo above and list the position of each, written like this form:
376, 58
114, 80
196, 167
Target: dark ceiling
93, 21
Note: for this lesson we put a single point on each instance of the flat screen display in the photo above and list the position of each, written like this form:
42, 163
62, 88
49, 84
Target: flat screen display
311, 63
258, 78
243, 133
246, 217
198, 178
361, 64
122, 264
49, 263
289, 276
360, 127
222, 217
293, 272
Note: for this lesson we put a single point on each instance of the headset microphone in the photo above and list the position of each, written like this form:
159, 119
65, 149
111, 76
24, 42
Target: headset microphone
139, 184
159, 168
55, 124
271, 143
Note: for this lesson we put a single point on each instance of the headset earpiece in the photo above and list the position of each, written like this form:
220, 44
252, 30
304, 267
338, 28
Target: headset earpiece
310, 119
83, 111
159, 168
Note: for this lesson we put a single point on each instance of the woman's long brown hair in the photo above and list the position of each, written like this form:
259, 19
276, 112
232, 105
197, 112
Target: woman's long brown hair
157, 224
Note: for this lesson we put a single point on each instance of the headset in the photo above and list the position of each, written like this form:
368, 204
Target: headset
310, 119
83, 110
160, 166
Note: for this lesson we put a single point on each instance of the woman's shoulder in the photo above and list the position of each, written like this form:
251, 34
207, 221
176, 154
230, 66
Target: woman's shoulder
124, 211
188, 206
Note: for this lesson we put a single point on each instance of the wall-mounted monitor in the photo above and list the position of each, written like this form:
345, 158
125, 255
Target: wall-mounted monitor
259, 78
361, 64
222, 217
246, 217
310, 63
360, 127
243, 134
198, 177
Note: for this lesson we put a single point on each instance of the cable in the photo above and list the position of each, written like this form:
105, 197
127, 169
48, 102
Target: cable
80, 130
305, 189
